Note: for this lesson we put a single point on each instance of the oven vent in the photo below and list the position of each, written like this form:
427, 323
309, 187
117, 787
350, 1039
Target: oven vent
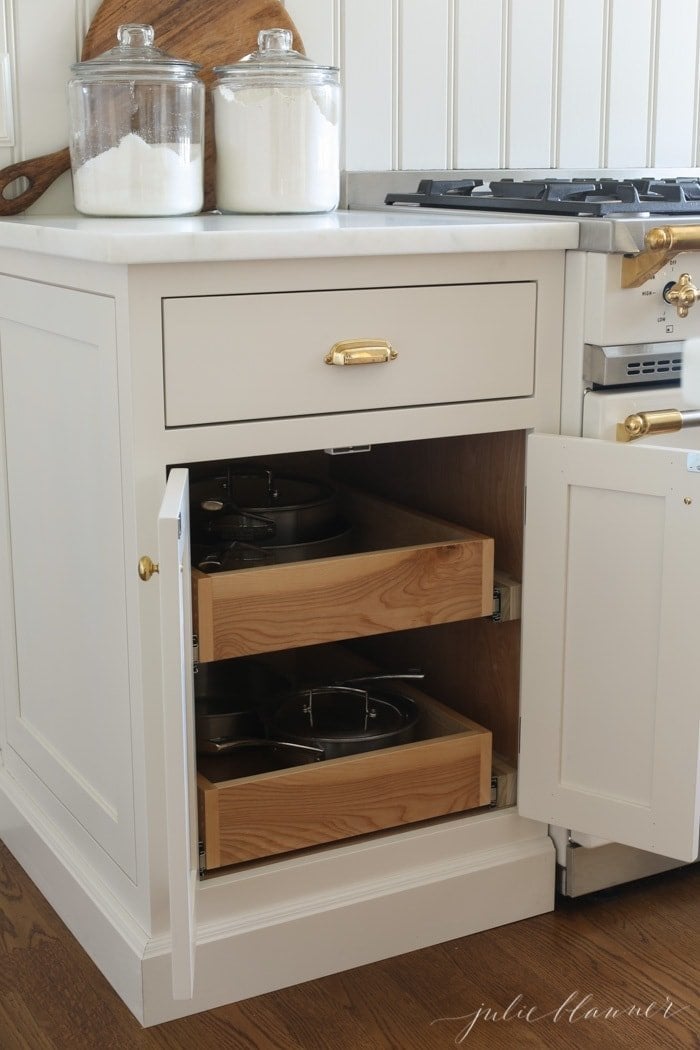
636, 363
662, 367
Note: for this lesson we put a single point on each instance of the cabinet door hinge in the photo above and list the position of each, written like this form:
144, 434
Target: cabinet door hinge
202, 858
195, 654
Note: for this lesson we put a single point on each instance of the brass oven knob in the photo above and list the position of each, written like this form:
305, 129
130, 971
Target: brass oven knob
147, 567
683, 294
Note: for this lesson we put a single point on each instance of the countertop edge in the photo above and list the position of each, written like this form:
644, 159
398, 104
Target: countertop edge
197, 239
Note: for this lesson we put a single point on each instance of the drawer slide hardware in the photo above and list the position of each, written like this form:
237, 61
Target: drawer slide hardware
503, 783
506, 598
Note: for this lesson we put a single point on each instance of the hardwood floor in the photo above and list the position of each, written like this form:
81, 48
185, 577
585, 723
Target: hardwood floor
617, 969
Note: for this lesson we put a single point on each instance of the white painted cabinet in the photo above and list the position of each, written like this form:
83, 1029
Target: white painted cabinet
610, 737
106, 416
66, 654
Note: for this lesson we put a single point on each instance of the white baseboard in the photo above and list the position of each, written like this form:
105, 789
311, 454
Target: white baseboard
512, 883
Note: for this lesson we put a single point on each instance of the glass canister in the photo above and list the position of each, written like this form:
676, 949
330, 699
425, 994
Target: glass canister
136, 130
276, 128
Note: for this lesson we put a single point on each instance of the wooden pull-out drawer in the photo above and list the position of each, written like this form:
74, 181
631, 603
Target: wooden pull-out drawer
408, 570
447, 771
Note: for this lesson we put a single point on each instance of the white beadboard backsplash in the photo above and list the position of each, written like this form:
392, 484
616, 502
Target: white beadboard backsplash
445, 84
496, 84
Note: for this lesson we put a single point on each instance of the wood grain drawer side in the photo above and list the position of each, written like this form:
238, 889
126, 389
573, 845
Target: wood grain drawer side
408, 570
243, 357
448, 771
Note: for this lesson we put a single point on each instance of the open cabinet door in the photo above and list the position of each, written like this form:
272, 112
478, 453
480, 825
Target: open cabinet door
610, 706
176, 631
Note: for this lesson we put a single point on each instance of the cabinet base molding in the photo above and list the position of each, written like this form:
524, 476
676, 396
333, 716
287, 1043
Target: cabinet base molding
507, 875
249, 958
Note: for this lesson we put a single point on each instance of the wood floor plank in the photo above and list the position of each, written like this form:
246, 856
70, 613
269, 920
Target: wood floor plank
18, 1027
250, 1025
516, 986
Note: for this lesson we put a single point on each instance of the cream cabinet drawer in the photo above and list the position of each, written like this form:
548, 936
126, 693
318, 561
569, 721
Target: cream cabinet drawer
262, 356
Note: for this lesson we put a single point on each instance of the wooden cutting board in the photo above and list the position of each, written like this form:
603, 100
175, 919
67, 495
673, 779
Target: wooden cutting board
208, 32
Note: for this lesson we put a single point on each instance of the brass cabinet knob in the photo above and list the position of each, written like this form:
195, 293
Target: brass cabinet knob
361, 352
683, 294
147, 567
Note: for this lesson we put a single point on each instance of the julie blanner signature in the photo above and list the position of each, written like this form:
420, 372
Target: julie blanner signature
577, 1007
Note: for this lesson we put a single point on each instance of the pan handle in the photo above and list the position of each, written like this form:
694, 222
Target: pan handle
245, 554
41, 172
220, 745
413, 674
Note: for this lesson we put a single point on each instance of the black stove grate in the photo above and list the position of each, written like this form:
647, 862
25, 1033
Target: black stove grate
559, 196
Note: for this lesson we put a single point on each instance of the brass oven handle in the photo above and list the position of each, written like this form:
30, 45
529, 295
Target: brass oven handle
660, 421
361, 352
662, 244
673, 238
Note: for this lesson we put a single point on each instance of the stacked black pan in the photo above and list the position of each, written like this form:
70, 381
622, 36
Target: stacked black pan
253, 516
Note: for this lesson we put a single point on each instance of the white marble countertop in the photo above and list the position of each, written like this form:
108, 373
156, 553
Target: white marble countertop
217, 238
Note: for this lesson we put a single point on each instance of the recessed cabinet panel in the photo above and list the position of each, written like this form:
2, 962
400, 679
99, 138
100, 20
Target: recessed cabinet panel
244, 357
609, 709
68, 717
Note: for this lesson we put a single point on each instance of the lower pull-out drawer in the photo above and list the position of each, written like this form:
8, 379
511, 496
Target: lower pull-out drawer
407, 570
447, 770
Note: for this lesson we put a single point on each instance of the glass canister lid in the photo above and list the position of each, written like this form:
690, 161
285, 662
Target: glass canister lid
135, 56
275, 58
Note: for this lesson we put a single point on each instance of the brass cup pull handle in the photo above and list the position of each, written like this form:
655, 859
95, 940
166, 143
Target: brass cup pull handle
361, 352
147, 567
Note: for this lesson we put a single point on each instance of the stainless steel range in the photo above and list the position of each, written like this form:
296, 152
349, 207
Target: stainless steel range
628, 299
630, 294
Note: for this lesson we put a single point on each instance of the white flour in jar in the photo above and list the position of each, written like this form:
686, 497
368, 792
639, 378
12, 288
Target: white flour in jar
135, 178
277, 149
